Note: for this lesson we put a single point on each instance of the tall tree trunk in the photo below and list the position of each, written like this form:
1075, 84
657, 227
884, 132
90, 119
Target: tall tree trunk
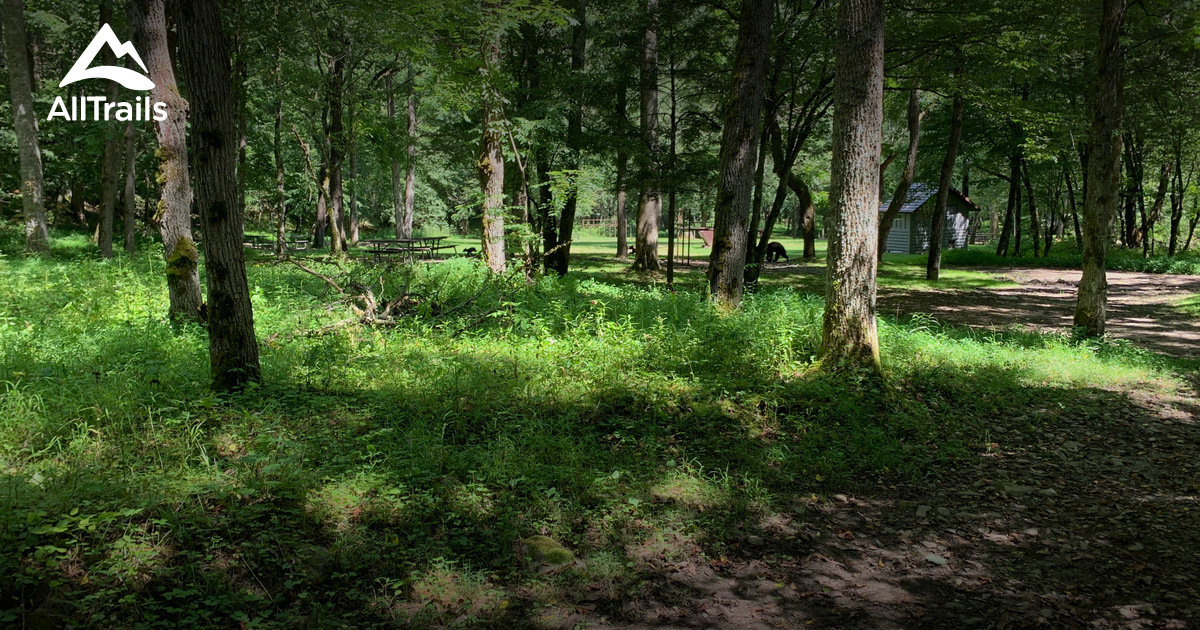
352, 225
900, 196
1017, 213
756, 204
977, 217
622, 167
322, 179
933, 264
1178, 187
352, 142
739, 151
77, 200
1192, 222
110, 165
130, 193
174, 216
1130, 236
410, 177
1071, 201
650, 199
280, 193
543, 206
336, 134
1164, 178
1052, 227
808, 216
1104, 173
277, 147
1014, 197
673, 165
491, 158
232, 346
560, 259
398, 205
1035, 221
240, 94
849, 335
20, 88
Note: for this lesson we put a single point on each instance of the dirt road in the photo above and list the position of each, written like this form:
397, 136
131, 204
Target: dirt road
1142, 307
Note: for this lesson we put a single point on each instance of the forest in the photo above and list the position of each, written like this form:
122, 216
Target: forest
600, 314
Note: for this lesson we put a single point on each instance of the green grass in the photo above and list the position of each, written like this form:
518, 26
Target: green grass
1067, 256
381, 476
594, 257
1191, 305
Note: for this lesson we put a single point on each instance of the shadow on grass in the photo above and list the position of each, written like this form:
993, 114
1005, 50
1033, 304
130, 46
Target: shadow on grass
384, 478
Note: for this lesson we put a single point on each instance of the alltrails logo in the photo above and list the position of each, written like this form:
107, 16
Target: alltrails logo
101, 108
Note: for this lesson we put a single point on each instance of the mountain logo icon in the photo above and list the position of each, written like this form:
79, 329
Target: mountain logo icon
124, 76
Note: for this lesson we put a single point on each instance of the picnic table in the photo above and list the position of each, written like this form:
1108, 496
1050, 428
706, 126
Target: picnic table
292, 242
379, 249
255, 241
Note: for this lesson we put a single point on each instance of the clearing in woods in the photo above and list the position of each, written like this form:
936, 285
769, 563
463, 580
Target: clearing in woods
1142, 307
1082, 512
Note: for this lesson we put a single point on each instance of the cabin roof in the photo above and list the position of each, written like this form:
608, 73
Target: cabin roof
918, 194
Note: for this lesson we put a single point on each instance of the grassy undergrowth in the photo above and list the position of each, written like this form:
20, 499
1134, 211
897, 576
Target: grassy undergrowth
382, 476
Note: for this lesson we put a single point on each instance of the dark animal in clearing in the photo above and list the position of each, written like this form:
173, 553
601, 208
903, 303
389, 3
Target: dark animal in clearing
775, 251
470, 251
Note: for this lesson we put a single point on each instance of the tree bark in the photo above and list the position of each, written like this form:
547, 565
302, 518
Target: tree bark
933, 264
1104, 173
491, 158
322, 179
739, 153
1164, 178
1052, 226
1017, 213
232, 346
808, 216
77, 200
622, 168
1035, 221
1187, 244
174, 215
1177, 189
398, 205
110, 165
900, 196
849, 335
650, 199
672, 166
1130, 236
352, 142
129, 195
1071, 201
277, 147
20, 87
410, 177
336, 134
280, 193
559, 260
1014, 200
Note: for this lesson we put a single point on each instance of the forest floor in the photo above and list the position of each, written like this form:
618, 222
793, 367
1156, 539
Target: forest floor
1071, 518
1076, 515
700, 469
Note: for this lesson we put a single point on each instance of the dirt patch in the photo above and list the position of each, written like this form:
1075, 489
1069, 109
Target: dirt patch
1080, 519
1142, 307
